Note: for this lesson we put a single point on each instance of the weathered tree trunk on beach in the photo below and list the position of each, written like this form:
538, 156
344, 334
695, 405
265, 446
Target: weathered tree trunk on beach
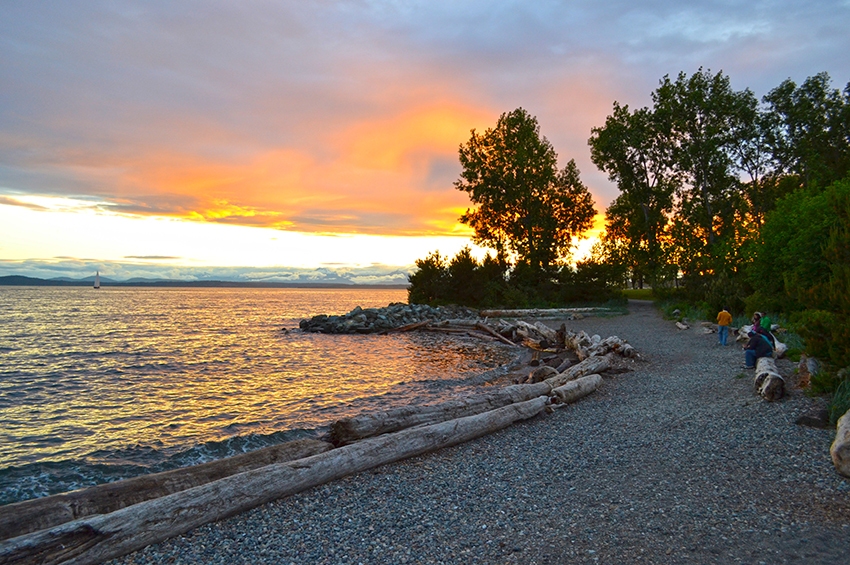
589, 366
579, 388
98, 538
586, 346
540, 374
840, 449
807, 367
40, 513
494, 333
768, 383
349, 430
540, 312
548, 333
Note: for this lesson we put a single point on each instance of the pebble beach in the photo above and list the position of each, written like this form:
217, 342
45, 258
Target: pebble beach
673, 461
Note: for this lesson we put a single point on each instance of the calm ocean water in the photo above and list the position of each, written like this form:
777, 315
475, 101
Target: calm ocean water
97, 385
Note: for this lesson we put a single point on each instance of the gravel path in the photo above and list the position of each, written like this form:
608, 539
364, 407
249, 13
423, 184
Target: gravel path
673, 462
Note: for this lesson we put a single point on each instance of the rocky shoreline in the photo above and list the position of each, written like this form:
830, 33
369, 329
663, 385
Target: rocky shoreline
673, 461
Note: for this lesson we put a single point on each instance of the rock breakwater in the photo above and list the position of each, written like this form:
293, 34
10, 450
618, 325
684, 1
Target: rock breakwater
376, 320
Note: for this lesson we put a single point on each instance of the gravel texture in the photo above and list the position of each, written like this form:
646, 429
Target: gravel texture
674, 461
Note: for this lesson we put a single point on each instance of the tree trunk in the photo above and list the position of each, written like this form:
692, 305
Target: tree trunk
840, 449
40, 513
577, 389
768, 382
98, 538
349, 430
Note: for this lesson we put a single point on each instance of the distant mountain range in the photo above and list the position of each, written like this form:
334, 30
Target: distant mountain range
17, 280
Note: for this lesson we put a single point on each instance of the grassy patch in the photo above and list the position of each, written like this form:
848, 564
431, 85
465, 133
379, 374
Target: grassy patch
840, 403
638, 293
686, 310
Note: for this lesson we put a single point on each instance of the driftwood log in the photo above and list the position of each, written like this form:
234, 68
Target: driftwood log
840, 449
540, 374
98, 538
807, 367
579, 388
349, 430
494, 333
537, 331
586, 346
40, 513
540, 312
589, 366
768, 383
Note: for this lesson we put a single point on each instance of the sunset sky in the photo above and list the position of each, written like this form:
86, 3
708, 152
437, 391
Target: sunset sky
298, 140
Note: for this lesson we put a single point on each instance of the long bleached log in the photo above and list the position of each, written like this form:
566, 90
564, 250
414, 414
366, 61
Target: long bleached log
840, 448
95, 539
349, 430
40, 513
577, 389
408, 327
768, 383
540, 312
589, 366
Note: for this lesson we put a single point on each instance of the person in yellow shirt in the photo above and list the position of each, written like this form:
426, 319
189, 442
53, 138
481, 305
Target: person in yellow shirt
724, 320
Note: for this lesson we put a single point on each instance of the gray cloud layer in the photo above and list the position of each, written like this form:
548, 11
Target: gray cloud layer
129, 102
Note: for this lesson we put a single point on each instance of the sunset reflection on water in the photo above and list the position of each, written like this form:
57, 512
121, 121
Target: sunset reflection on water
139, 374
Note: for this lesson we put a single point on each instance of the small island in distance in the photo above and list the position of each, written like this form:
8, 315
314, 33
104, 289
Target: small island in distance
18, 280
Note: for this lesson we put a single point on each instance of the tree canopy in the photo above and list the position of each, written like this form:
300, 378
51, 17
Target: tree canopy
525, 205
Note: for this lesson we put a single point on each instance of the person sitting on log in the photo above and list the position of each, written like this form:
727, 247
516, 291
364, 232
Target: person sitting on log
759, 346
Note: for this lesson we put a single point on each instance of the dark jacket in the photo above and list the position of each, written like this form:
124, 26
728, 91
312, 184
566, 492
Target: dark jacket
760, 345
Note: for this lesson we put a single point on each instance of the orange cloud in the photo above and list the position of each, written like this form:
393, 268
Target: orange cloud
389, 177
405, 139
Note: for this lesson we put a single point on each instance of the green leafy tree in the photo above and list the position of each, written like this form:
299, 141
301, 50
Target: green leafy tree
812, 137
637, 153
803, 268
703, 112
525, 206
465, 280
751, 142
793, 261
429, 283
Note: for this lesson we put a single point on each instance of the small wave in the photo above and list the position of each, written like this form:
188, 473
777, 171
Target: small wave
37, 480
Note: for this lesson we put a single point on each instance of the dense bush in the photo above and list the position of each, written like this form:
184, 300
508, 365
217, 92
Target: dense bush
803, 268
494, 283
428, 282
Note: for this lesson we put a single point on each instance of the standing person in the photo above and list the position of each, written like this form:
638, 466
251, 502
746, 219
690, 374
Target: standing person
724, 320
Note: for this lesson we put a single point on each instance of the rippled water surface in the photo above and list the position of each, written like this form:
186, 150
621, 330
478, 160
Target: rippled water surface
97, 385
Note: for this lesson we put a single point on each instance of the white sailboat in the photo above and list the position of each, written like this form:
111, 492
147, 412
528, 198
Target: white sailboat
97, 279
